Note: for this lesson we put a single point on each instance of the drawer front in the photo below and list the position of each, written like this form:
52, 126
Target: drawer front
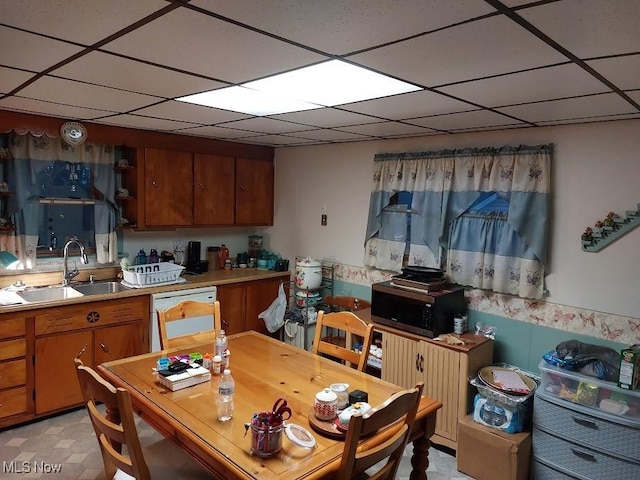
576, 426
540, 471
13, 401
12, 327
13, 348
89, 315
13, 373
581, 461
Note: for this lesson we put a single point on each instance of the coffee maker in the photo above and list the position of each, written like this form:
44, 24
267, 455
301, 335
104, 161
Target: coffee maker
194, 263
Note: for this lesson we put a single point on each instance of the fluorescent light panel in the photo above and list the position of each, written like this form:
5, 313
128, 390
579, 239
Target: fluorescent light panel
323, 85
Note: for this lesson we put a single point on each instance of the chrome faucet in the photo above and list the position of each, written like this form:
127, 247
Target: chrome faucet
66, 274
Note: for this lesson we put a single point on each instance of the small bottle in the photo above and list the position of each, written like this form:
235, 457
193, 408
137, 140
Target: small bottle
223, 254
141, 258
226, 389
153, 256
499, 416
221, 348
486, 413
216, 365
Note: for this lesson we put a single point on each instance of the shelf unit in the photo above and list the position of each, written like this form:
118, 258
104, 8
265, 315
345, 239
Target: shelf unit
126, 178
300, 314
622, 226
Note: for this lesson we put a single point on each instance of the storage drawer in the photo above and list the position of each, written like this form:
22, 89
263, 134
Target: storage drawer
13, 373
580, 425
13, 402
12, 327
89, 315
540, 471
584, 462
13, 349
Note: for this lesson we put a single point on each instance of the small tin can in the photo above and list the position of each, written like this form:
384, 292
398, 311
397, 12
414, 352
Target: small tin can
459, 324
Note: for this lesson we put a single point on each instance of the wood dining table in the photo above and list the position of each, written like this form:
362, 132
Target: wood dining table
264, 370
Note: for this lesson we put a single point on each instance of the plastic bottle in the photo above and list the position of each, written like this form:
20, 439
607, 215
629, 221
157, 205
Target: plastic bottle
153, 256
499, 416
226, 390
486, 413
223, 254
141, 258
221, 348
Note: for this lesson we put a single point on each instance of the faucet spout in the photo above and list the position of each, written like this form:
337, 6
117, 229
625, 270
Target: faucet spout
66, 274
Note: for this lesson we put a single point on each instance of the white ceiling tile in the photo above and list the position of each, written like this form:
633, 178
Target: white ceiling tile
326, 118
457, 121
590, 28
264, 125
460, 53
409, 105
215, 132
49, 108
624, 72
32, 52
385, 129
279, 140
117, 72
10, 79
338, 27
329, 135
144, 123
572, 108
211, 47
83, 94
536, 85
189, 112
85, 21
604, 118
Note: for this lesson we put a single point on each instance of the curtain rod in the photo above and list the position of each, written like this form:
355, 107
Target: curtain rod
67, 201
464, 152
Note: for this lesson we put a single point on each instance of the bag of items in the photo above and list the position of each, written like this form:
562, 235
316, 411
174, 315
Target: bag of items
591, 360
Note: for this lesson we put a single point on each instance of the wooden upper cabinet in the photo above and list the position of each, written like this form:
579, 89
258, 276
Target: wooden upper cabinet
214, 190
168, 188
254, 191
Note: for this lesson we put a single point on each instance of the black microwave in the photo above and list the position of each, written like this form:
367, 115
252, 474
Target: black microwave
424, 313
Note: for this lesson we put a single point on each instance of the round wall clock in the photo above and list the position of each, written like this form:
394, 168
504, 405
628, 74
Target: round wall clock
73, 133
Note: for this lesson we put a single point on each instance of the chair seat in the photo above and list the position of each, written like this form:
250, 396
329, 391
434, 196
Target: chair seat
166, 461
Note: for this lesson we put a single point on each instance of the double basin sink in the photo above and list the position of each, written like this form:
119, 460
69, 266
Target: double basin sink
59, 292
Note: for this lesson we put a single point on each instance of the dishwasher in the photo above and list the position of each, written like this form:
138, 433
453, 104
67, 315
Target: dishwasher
162, 301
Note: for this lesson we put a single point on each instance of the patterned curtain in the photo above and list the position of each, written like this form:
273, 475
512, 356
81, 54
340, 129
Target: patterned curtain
31, 155
505, 253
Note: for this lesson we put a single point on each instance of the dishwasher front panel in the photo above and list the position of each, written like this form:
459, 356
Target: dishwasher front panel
163, 301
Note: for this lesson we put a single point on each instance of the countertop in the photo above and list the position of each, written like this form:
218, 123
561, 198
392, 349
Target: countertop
218, 277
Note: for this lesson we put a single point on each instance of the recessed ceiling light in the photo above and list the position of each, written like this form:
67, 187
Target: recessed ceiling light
247, 100
325, 84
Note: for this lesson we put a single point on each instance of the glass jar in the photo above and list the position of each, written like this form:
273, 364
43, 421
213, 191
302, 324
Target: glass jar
266, 439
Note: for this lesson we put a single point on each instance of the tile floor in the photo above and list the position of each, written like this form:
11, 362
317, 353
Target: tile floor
64, 447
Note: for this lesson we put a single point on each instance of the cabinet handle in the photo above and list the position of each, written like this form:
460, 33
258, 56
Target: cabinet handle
154, 183
585, 423
202, 187
105, 348
84, 349
243, 188
417, 361
583, 455
421, 364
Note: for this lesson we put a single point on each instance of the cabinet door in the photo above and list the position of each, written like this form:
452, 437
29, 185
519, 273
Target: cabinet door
214, 190
116, 342
254, 192
168, 188
56, 381
400, 360
441, 376
232, 299
260, 295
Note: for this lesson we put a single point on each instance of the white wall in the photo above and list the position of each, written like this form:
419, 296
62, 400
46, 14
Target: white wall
596, 169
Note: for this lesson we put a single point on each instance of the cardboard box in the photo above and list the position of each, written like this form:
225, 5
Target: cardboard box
485, 453
630, 368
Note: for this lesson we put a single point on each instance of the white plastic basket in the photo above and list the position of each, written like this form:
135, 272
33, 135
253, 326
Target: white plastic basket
153, 273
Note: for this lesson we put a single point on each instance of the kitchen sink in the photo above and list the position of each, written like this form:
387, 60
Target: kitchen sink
49, 294
100, 288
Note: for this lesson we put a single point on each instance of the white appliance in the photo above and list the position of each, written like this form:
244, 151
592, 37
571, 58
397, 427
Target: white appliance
162, 301
294, 334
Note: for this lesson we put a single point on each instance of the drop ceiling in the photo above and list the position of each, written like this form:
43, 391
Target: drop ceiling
480, 65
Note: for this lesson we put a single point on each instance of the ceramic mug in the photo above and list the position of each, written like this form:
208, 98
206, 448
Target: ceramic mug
325, 405
342, 392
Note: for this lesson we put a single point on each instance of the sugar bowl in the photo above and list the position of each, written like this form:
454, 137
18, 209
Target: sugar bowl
325, 405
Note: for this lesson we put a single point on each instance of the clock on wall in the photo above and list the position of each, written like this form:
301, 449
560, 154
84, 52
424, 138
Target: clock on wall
73, 133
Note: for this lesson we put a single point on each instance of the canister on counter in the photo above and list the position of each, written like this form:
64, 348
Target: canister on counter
213, 257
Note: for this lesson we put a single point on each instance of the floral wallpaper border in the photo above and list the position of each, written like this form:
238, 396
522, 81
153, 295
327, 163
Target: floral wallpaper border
617, 328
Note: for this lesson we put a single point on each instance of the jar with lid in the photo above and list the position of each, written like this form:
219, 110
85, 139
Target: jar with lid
223, 255
213, 257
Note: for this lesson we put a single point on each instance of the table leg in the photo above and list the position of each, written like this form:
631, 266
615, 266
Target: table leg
420, 458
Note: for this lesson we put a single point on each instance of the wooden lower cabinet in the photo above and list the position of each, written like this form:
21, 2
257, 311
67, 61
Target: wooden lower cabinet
96, 332
13, 368
445, 371
241, 303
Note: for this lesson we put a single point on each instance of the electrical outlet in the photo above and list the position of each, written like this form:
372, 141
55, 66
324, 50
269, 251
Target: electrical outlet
178, 246
323, 220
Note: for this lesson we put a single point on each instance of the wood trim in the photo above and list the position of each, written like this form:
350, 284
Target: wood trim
114, 135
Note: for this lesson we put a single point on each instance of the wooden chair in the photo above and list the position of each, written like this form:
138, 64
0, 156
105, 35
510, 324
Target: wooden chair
341, 303
183, 311
400, 409
341, 346
117, 428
